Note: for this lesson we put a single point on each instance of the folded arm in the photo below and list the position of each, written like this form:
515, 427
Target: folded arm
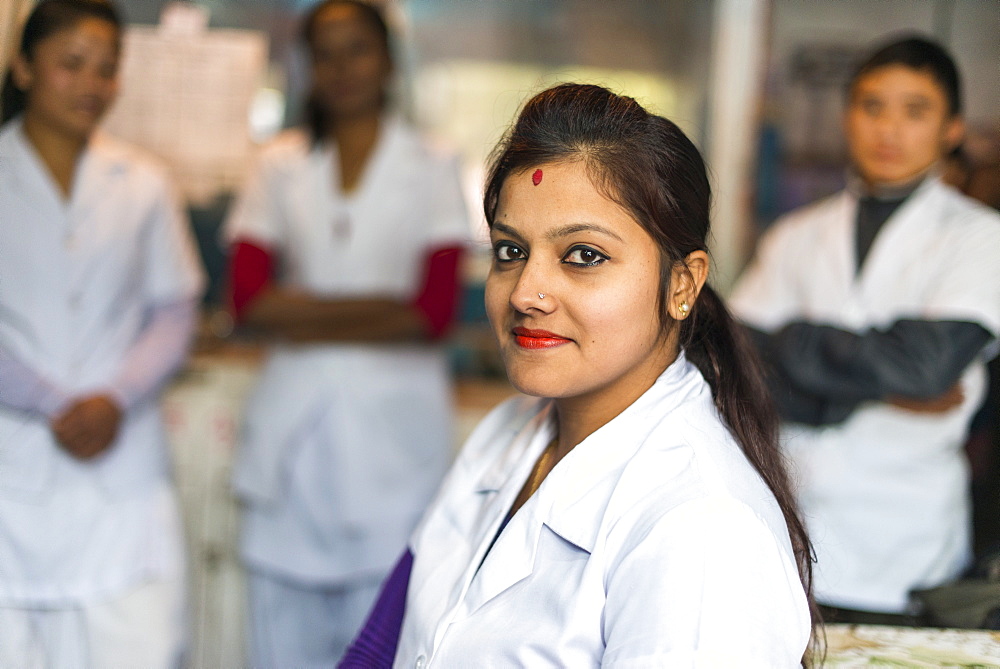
88, 425
914, 359
819, 373
260, 303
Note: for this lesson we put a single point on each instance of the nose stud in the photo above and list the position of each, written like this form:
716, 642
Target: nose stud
541, 296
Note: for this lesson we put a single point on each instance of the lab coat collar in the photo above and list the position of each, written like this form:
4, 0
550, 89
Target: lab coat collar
580, 492
386, 150
34, 183
101, 158
100, 148
857, 187
572, 500
538, 427
102, 161
882, 266
660, 397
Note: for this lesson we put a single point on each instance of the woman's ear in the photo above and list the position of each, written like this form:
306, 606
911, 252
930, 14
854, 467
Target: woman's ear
21, 72
686, 279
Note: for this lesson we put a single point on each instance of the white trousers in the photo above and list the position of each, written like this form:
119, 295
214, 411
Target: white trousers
144, 628
302, 626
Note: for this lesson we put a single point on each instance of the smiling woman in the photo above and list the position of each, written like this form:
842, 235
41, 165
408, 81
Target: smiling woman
595, 525
99, 286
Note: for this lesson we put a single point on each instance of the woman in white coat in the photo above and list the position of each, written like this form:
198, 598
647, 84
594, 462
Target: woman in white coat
635, 512
345, 254
99, 285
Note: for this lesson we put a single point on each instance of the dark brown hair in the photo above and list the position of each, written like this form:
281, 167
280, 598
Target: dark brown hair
647, 165
917, 53
46, 19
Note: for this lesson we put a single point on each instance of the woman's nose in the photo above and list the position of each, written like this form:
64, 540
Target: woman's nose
533, 290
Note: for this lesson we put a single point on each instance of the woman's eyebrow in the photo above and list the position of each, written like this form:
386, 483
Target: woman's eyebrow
564, 231
506, 229
574, 228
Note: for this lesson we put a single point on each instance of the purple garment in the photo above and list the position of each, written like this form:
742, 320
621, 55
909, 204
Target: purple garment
375, 645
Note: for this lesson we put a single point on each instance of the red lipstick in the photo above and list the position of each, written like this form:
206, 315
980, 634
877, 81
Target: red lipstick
535, 339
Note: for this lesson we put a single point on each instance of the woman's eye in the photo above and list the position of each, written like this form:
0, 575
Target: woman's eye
71, 62
871, 107
108, 70
507, 252
584, 256
915, 112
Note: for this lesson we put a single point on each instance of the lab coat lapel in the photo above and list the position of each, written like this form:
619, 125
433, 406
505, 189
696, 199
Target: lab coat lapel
839, 262
509, 561
890, 258
510, 558
33, 184
99, 165
831, 293
573, 498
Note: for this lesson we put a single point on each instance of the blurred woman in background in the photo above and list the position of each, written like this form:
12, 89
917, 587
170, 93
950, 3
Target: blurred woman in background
345, 248
99, 286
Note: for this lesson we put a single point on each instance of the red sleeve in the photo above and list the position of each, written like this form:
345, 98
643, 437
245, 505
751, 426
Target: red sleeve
250, 271
438, 298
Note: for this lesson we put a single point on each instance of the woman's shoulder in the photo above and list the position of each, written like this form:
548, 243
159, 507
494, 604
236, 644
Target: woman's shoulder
141, 165
691, 462
422, 145
288, 146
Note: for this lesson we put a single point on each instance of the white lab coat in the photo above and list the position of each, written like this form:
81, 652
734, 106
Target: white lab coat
76, 279
885, 493
652, 543
344, 444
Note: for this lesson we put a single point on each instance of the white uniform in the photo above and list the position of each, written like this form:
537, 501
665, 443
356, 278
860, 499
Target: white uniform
77, 280
653, 543
344, 444
885, 494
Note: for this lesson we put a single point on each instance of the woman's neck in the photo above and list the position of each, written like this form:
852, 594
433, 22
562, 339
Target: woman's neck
579, 417
59, 151
355, 139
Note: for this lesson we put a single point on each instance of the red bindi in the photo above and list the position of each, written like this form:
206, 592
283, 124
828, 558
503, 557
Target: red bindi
536, 178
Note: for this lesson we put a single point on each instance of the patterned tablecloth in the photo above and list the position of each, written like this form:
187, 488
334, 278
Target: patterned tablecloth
878, 646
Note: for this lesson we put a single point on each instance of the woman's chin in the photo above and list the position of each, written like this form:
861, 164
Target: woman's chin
536, 385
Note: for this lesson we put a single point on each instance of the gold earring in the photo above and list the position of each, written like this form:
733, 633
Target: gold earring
683, 308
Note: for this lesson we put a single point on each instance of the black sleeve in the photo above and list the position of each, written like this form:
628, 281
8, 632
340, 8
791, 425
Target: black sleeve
793, 403
913, 359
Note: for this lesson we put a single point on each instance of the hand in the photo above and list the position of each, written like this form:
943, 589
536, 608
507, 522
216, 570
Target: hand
88, 426
946, 402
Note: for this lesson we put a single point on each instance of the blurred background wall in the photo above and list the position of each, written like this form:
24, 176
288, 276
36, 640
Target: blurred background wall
757, 84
